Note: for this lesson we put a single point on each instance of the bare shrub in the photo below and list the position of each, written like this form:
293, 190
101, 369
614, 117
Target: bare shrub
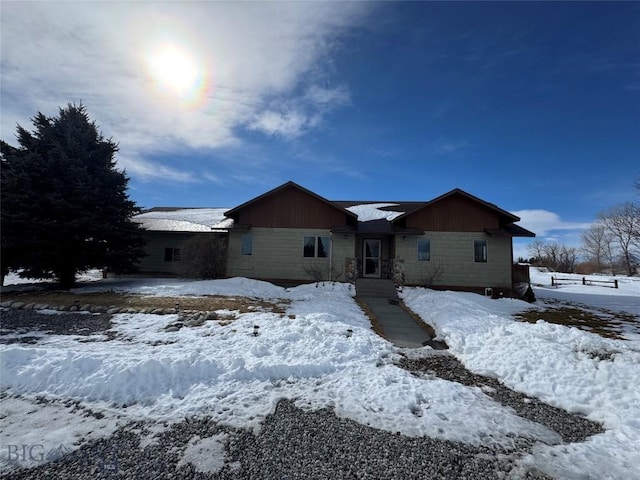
316, 272
588, 268
203, 257
432, 274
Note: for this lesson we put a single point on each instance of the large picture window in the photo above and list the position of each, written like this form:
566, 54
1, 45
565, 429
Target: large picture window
480, 251
316, 247
424, 250
246, 244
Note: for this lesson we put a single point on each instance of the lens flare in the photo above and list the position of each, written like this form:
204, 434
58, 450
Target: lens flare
179, 74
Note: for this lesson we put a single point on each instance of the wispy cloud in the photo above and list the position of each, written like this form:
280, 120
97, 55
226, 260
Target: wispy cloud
147, 171
327, 97
386, 152
248, 60
449, 147
289, 124
290, 118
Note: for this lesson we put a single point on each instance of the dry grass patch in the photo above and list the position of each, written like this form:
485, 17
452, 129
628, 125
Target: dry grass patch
113, 299
599, 321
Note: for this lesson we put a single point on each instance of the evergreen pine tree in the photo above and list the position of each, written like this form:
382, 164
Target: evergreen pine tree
65, 207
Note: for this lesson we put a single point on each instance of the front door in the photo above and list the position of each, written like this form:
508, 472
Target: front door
371, 261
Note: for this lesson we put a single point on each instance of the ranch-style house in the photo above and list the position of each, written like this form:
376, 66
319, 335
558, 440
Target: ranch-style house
291, 234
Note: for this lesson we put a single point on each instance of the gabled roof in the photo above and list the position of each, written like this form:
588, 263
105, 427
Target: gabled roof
175, 219
367, 216
392, 207
289, 184
456, 191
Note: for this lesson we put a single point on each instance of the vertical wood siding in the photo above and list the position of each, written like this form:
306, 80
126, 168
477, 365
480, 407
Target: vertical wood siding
291, 208
453, 214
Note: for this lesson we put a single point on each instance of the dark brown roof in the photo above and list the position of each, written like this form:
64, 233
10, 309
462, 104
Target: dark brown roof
404, 207
518, 231
380, 226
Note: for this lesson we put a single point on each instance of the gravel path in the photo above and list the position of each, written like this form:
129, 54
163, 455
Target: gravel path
293, 444
572, 428
31, 325
296, 444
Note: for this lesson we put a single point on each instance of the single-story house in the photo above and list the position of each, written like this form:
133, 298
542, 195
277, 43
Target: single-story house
455, 241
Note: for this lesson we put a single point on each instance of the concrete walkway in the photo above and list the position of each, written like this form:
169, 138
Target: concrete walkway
381, 297
399, 328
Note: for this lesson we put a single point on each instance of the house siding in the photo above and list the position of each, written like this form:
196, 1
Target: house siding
291, 208
454, 252
279, 220
156, 244
453, 214
278, 254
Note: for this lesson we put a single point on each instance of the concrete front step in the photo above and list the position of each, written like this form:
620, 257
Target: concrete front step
376, 287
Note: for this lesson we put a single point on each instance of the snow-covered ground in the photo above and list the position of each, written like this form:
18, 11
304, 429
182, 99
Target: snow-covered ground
224, 372
602, 295
562, 366
13, 279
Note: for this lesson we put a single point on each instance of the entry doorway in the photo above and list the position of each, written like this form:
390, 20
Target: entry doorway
371, 249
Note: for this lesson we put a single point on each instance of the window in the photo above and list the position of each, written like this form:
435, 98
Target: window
323, 245
480, 251
246, 244
309, 249
171, 254
424, 250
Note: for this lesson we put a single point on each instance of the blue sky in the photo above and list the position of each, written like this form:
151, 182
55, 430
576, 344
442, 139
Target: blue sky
532, 106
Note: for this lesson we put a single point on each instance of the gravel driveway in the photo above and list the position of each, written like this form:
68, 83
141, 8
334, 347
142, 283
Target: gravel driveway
296, 444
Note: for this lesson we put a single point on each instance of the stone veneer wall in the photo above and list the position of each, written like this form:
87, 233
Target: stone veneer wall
350, 269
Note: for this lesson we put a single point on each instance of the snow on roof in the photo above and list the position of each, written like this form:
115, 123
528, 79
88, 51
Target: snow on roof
185, 220
372, 211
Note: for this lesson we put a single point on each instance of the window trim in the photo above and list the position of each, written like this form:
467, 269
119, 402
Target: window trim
485, 256
428, 241
316, 246
243, 251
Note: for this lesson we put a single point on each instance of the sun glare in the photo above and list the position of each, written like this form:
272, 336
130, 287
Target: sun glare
177, 72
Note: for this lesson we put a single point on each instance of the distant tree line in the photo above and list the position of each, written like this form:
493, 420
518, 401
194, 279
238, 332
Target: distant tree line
556, 257
611, 245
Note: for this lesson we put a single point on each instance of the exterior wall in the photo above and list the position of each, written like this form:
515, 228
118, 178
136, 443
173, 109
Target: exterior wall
291, 208
157, 242
278, 254
453, 214
342, 249
453, 251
